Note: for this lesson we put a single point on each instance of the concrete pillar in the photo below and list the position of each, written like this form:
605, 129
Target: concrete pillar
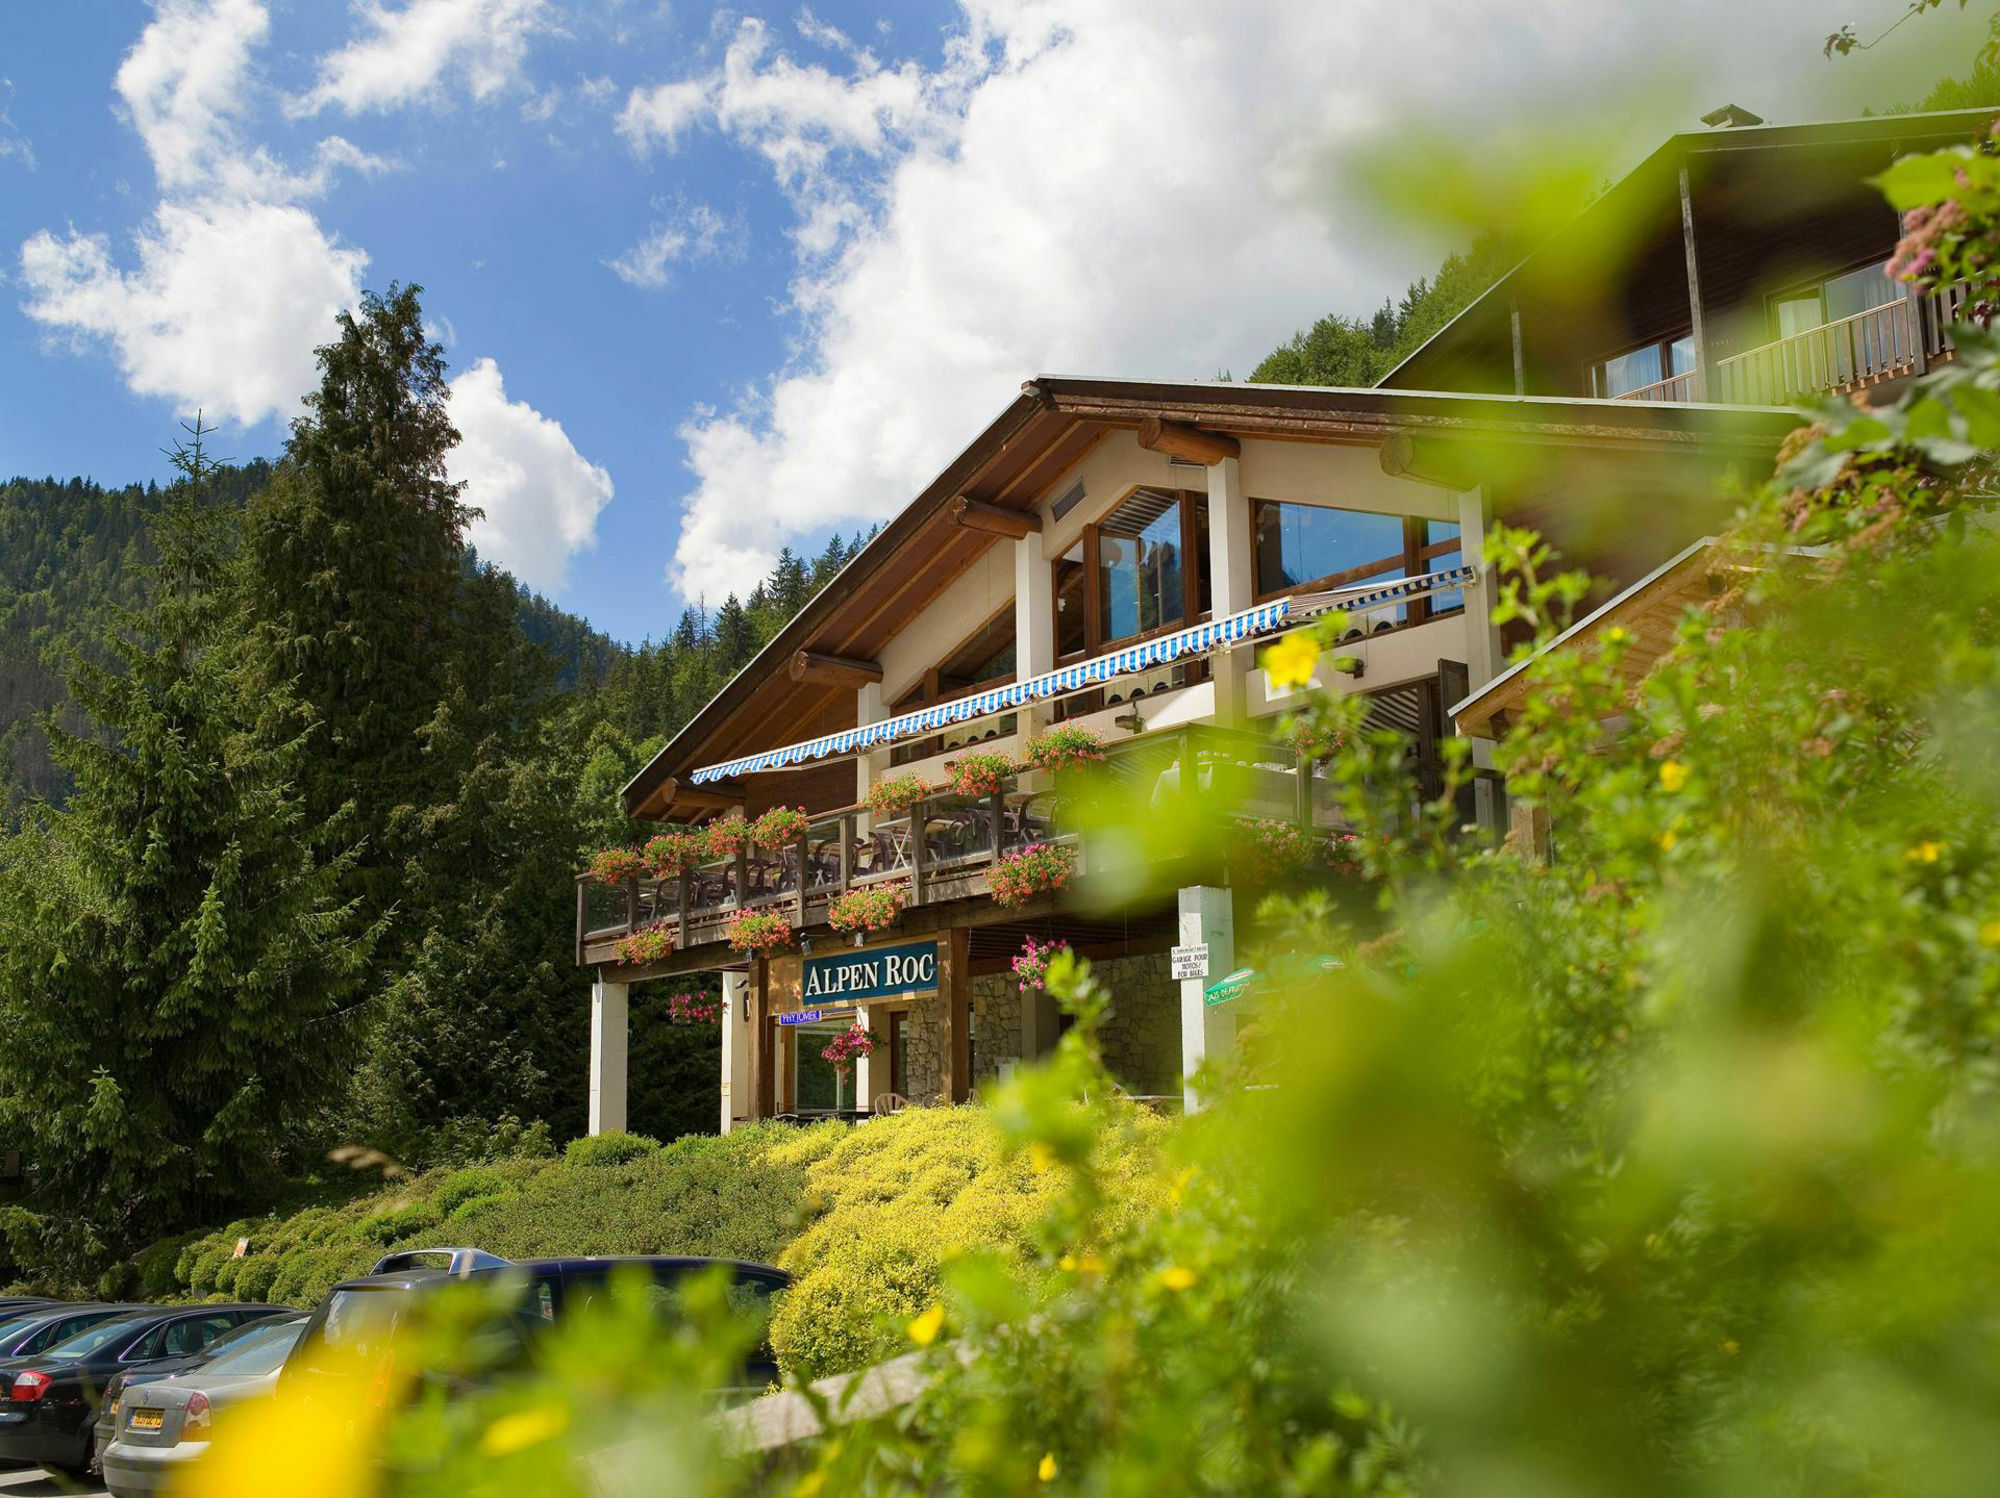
610, 1034
1483, 658
1207, 915
736, 1099
1034, 624
869, 707
954, 951
1038, 1025
1232, 580
864, 1073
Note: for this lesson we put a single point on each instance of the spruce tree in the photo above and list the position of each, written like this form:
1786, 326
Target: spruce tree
178, 969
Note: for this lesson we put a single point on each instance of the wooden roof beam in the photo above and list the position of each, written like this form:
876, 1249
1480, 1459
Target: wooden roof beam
1178, 440
993, 519
810, 666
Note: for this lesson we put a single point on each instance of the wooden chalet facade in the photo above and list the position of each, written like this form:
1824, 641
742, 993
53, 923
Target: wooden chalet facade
1744, 264
1108, 553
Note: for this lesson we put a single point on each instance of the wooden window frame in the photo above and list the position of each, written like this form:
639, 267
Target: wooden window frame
1664, 346
932, 685
1417, 550
1192, 613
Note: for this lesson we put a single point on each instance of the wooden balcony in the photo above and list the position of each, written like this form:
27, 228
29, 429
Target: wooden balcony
1883, 343
944, 849
1680, 387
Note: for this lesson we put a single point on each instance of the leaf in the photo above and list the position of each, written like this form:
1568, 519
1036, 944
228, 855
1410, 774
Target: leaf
1980, 407
1918, 181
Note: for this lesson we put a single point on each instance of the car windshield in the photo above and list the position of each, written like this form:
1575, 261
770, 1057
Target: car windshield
84, 1343
19, 1323
259, 1350
355, 1329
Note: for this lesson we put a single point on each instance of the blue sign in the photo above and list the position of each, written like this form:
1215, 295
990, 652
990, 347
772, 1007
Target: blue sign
814, 1016
877, 974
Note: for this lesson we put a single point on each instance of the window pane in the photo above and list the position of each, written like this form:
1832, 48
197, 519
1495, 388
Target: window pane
816, 1085
1799, 314
1434, 532
1299, 544
1629, 372
1139, 566
1859, 290
1682, 355
1204, 600
1071, 601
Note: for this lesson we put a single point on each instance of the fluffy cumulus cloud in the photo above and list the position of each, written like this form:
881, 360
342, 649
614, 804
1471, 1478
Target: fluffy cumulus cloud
1141, 187
539, 494
232, 282
694, 234
403, 55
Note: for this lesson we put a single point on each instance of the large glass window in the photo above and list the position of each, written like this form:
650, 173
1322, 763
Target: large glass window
1139, 559
1646, 365
1845, 295
1301, 545
816, 1086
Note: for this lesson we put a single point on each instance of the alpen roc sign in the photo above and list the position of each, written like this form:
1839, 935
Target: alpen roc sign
876, 974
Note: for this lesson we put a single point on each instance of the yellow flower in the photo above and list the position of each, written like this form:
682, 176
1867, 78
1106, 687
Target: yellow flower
524, 1428
1040, 1155
1989, 934
1178, 1277
1925, 852
1290, 662
810, 1485
1617, 635
1177, 1191
1066, 1263
1673, 775
924, 1330
1667, 840
1091, 1264
1047, 1470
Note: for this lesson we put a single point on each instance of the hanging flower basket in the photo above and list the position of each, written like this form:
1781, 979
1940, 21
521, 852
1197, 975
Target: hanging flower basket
1031, 967
1038, 869
1268, 851
653, 942
780, 828
1063, 748
694, 1008
873, 909
896, 795
726, 836
672, 853
981, 774
759, 931
846, 1046
616, 865
1312, 742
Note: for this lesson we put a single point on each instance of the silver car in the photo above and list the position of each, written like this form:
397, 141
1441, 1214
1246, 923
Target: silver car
164, 1425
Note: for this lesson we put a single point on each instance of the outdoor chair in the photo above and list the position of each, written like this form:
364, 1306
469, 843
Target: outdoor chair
888, 1102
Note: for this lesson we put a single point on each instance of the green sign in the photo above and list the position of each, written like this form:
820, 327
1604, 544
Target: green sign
1284, 970
877, 974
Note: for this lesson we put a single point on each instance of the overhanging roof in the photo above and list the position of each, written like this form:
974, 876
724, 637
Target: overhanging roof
1042, 434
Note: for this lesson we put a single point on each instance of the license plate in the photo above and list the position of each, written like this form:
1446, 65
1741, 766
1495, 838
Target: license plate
147, 1419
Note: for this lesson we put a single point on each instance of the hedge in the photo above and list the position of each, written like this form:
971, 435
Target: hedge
861, 1215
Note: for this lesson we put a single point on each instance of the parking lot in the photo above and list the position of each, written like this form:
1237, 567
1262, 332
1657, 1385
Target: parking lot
35, 1483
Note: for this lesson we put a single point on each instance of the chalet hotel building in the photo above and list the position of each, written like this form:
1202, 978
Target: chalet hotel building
1111, 553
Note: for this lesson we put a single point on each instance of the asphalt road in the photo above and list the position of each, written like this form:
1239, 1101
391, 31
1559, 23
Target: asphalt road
33, 1482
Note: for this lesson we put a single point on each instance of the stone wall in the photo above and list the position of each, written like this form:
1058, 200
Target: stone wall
1142, 1025
923, 1051
996, 1024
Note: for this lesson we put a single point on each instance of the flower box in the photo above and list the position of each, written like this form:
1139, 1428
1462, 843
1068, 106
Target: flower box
759, 931
616, 865
896, 795
653, 942
726, 837
780, 828
1063, 748
873, 909
1309, 741
1038, 869
672, 853
981, 774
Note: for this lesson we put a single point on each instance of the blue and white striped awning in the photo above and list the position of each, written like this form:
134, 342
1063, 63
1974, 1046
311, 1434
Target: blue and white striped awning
1084, 675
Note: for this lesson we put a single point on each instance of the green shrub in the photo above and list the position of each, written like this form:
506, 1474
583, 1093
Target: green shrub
402, 1221
201, 1276
255, 1279
465, 1218
157, 1267
225, 1275
609, 1149
461, 1186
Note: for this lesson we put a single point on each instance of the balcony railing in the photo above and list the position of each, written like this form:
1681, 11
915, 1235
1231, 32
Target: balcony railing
1848, 354
944, 848
1678, 387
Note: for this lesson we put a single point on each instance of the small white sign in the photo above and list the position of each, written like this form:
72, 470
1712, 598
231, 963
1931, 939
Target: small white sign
1191, 962
242, 1247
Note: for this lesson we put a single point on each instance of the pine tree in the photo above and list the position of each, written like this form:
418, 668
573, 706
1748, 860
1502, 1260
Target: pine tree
177, 966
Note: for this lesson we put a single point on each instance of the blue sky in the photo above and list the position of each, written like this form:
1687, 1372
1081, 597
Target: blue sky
713, 281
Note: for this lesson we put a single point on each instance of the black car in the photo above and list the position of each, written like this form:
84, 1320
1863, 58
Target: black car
13, 1305
32, 1330
52, 1396
359, 1319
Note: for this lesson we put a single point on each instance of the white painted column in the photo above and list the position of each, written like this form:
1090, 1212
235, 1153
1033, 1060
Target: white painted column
1232, 579
609, 1036
1207, 915
864, 1073
736, 1099
1483, 658
869, 767
1034, 624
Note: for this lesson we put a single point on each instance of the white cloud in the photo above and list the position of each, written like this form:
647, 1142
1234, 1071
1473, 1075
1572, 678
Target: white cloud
540, 495
223, 312
1143, 187
404, 54
12, 141
699, 233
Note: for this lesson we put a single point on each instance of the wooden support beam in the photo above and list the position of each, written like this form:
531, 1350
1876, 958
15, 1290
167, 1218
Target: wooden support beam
995, 520
1178, 440
718, 795
833, 670
954, 952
